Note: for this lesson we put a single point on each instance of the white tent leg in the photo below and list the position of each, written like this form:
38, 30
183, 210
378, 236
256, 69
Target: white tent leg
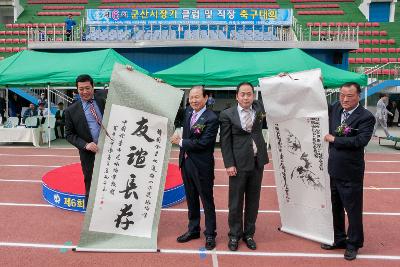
48, 114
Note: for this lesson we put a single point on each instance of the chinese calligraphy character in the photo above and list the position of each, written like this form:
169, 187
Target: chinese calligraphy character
125, 212
130, 186
142, 130
140, 157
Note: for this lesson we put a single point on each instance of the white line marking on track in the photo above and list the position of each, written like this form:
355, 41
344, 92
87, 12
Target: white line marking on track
365, 188
34, 166
214, 257
185, 210
219, 252
21, 181
38, 155
25, 205
280, 254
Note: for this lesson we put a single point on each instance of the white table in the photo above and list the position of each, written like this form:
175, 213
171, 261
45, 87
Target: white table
20, 134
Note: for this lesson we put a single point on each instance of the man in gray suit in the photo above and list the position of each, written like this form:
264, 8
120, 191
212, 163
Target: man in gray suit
245, 154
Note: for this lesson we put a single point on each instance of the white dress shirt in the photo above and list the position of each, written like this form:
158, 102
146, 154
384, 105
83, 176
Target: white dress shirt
198, 115
243, 123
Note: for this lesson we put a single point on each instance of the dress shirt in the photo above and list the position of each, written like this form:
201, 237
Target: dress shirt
94, 127
198, 115
242, 122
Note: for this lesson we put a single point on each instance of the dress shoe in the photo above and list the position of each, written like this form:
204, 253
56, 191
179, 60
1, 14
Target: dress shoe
350, 254
186, 237
233, 244
210, 243
251, 244
334, 246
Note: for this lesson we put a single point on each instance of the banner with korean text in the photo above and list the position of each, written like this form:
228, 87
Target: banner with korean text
129, 173
297, 116
196, 16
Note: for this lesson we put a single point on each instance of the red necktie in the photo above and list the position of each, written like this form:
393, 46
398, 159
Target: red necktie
96, 117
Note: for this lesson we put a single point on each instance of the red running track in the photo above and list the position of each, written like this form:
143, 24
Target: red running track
32, 232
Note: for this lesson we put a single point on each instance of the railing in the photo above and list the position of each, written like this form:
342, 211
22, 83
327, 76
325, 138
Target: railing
176, 32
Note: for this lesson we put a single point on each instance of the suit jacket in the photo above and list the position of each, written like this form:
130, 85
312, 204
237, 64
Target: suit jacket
58, 117
77, 130
200, 147
346, 153
237, 144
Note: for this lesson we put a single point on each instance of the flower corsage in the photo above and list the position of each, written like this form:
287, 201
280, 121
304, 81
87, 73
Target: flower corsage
344, 130
198, 129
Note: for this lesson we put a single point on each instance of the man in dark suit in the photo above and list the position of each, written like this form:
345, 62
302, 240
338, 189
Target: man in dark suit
196, 160
60, 120
245, 154
346, 167
83, 124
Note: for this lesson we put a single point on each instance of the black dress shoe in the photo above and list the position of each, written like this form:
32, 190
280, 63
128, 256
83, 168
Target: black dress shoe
334, 246
187, 237
233, 244
350, 254
210, 243
251, 244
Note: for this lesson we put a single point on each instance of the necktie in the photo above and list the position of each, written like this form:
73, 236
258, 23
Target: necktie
96, 117
345, 116
193, 119
248, 121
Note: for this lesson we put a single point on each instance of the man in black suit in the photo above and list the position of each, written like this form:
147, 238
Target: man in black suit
346, 167
83, 124
60, 120
245, 154
196, 160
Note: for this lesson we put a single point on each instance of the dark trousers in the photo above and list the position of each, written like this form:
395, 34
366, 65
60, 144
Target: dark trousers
244, 189
347, 196
61, 126
199, 187
68, 34
87, 163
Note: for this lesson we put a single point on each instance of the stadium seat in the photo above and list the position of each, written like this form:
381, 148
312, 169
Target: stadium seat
15, 33
367, 24
375, 24
383, 33
2, 32
375, 50
22, 41
324, 24
2, 49
361, 24
9, 49
9, 41
384, 60
375, 33
367, 50
2, 41
367, 33
398, 50
15, 49
383, 50
346, 24
383, 41
317, 24
23, 33
360, 41
376, 60
367, 41
310, 24
9, 33
394, 72
367, 60
15, 41
375, 41
352, 60
9, 25
331, 24
391, 50
360, 33
339, 24
385, 71
359, 60
392, 59
353, 24
391, 41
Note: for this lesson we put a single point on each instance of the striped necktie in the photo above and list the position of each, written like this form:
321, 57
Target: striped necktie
96, 117
346, 115
193, 119
248, 121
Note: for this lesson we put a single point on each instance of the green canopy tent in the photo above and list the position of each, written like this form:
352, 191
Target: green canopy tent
217, 68
31, 68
